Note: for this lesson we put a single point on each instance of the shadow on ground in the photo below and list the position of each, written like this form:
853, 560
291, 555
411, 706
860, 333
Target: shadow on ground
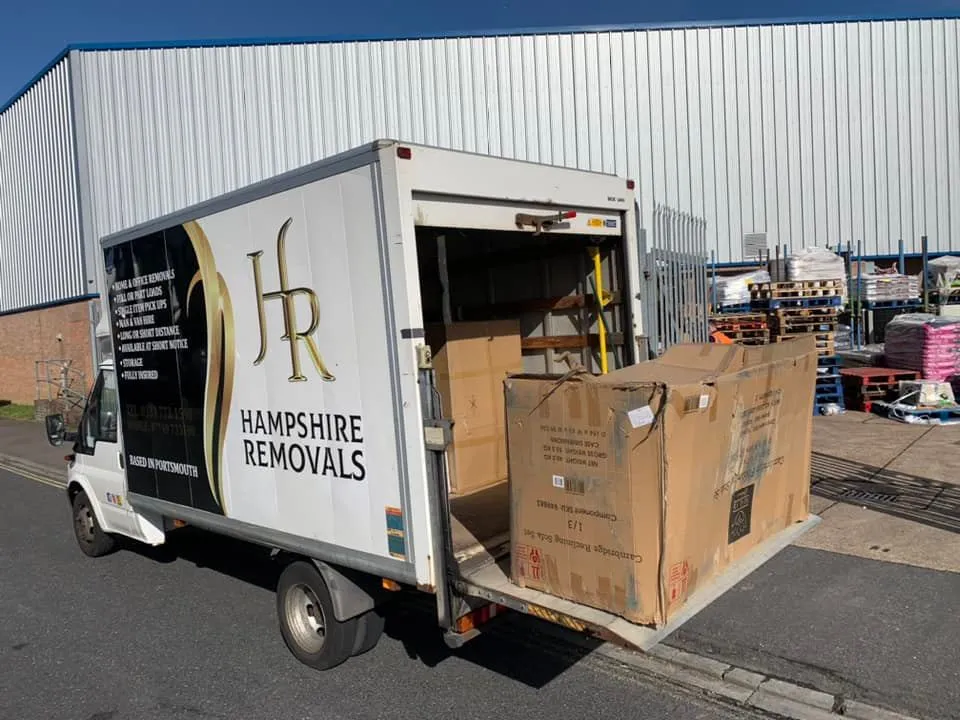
411, 616
926, 501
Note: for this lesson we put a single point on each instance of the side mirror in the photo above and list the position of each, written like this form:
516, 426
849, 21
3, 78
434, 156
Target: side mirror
56, 429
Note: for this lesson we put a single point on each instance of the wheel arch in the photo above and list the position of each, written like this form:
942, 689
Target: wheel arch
352, 592
75, 486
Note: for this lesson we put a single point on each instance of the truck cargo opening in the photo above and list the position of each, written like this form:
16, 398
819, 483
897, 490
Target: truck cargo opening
543, 295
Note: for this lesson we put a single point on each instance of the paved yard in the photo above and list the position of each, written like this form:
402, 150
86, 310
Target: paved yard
863, 607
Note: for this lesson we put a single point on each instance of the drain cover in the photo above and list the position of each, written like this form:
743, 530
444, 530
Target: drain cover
855, 494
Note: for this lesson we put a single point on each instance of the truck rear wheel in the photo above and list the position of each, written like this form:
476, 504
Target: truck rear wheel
91, 538
310, 630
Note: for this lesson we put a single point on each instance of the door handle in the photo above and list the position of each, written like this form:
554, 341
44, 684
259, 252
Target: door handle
120, 458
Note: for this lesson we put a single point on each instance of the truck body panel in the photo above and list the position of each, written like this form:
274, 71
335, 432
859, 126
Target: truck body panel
256, 353
266, 346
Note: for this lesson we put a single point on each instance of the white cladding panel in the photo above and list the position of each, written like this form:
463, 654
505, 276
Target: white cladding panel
40, 252
811, 134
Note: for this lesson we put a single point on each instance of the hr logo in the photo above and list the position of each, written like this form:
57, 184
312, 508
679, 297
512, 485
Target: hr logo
287, 296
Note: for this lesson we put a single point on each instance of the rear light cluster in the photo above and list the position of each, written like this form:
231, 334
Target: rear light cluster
478, 617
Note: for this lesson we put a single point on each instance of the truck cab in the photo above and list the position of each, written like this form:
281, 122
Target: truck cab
96, 481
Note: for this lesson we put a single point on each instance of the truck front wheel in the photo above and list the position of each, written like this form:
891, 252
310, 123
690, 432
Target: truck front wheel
310, 630
91, 538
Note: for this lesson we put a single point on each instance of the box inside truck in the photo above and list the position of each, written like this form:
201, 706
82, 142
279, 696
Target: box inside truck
502, 302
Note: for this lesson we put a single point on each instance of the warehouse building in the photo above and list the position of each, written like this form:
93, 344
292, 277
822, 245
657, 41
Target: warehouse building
778, 135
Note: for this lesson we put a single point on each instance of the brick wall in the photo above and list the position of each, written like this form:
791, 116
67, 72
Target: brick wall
55, 333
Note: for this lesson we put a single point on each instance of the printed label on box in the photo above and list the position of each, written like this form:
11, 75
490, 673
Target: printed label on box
741, 512
640, 416
529, 562
679, 579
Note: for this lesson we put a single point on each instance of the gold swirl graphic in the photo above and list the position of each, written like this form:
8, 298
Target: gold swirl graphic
221, 358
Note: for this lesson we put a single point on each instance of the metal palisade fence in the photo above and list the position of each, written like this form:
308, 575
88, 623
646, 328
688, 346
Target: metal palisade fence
674, 258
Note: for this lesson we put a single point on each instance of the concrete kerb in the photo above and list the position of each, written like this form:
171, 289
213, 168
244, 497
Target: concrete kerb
732, 684
772, 695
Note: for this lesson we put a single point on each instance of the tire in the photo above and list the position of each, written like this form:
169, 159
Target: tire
91, 538
305, 611
369, 629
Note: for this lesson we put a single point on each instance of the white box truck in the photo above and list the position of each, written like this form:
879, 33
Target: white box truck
269, 378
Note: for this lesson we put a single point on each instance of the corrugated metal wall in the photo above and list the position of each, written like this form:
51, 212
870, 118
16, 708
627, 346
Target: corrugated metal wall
40, 253
812, 134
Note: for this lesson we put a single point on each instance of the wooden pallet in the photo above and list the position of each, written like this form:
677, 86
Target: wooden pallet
783, 313
824, 341
746, 334
741, 320
828, 392
731, 308
805, 328
798, 285
728, 328
788, 293
877, 375
863, 386
796, 302
755, 341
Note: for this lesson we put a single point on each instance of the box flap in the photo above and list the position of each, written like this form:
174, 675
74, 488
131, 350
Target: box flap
687, 364
711, 358
655, 372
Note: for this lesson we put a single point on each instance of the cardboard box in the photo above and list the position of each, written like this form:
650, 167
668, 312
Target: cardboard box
471, 360
630, 491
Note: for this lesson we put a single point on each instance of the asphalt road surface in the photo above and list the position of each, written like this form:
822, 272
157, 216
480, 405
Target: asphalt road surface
190, 632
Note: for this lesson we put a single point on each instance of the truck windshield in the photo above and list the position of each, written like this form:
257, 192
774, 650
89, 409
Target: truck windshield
99, 422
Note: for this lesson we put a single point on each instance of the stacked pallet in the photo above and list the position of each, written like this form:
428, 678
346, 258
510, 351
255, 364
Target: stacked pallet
828, 390
821, 322
801, 308
744, 328
864, 386
796, 294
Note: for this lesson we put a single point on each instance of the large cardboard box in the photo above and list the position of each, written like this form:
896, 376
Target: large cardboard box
471, 360
632, 490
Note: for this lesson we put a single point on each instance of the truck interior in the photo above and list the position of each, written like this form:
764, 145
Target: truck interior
565, 293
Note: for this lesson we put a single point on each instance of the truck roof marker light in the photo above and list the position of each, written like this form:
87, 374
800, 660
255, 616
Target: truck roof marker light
631, 184
404, 153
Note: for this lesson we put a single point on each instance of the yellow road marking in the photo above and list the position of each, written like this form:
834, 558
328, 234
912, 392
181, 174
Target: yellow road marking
32, 476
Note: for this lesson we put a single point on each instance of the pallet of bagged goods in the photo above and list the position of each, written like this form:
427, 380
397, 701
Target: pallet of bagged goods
733, 291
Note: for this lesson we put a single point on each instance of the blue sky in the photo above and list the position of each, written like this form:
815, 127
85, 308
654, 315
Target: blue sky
39, 29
